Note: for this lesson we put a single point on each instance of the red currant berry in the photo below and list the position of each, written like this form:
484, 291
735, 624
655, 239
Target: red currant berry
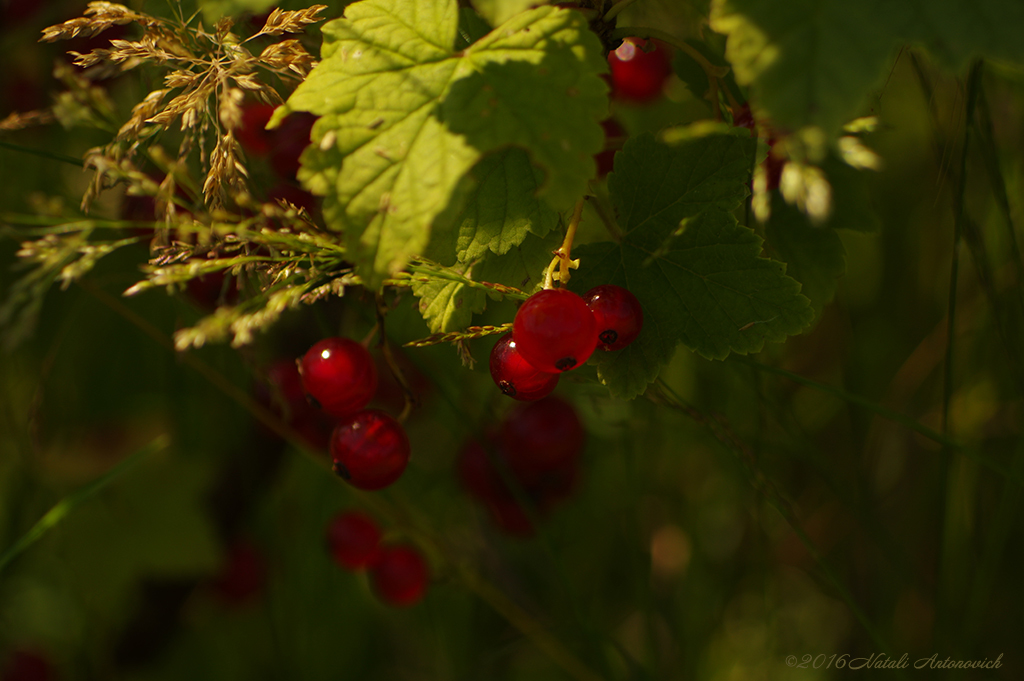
290, 139
743, 117
242, 576
353, 539
27, 665
339, 376
370, 449
253, 134
606, 159
541, 437
618, 313
554, 330
515, 376
637, 75
400, 575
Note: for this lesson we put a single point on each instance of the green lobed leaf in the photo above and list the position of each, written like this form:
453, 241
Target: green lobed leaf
851, 201
697, 272
404, 116
450, 305
811, 62
503, 207
814, 255
497, 12
815, 62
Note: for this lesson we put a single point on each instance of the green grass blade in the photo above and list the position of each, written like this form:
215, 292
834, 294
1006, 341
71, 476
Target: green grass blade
73, 500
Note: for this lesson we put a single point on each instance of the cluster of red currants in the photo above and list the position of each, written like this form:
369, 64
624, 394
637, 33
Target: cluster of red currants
369, 448
398, 572
556, 330
536, 449
327, 391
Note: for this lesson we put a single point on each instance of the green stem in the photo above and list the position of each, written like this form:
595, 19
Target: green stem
43, 153
615, 9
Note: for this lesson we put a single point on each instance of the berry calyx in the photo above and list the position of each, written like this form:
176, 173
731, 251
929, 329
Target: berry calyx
638, 75
618, 313
400, 575
370, 449
353, 539
339, 376
516, 377
554, 330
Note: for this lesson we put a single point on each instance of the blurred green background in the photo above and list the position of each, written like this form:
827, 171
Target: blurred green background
731, 519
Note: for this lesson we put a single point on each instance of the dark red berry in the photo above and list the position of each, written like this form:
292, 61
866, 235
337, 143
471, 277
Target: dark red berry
400, 575
289, 140
638, 75
606, 159
541, 437
618, 313
516, 377
253, 134
353, 539
743, 117
27, 665
370, 449
243, 574
554, 330
339, 375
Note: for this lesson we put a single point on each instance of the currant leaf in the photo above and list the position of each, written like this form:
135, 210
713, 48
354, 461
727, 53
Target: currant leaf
815, 256
502, 208
405, 115
448, 305
815, 62
697, 273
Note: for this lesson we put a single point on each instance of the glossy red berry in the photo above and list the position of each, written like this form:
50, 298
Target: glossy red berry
353, 539
339, 376
618, 313
542, 436
554, 330
370, 449
400, 575
638, 75
516, 377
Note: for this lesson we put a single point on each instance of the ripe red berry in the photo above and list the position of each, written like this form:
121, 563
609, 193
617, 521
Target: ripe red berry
606, 159
353, 539
289, 140
27, 665
554, 330
516, 377
400, 575
541, 437
339, 375
618, 313
638, 75
253, 134
243, 574
370, 449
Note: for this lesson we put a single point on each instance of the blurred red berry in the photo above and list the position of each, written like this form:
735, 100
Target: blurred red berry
242, 575
637, 75
400, 575
353, 539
